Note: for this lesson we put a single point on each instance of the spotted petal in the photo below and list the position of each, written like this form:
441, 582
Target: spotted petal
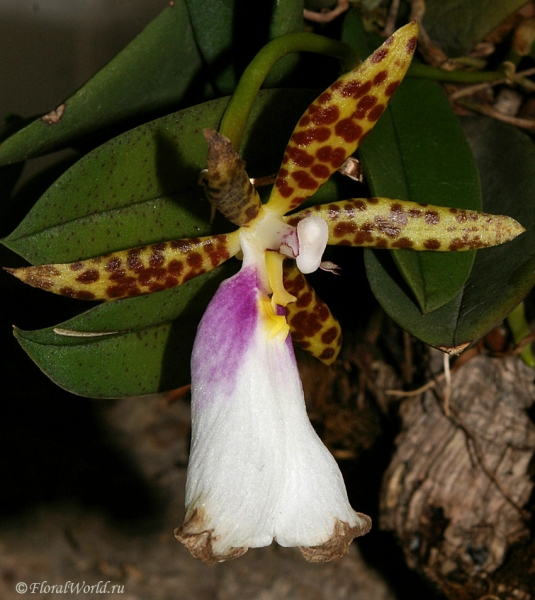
394, 224
338, 120
312, 325
133, 272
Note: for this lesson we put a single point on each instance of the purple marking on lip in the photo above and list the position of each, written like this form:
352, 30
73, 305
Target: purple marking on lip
224, 333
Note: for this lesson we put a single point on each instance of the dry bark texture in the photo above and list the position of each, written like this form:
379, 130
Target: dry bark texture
455, 490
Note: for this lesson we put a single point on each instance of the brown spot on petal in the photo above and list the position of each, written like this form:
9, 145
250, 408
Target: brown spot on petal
378, 55
199, 540
403, 243
304, 180
348, 130
367, 102
194, 260
335, 156
321, 310
364, 235
329, 336
343, 229
285, 190
85, 295
313, 134
305, 322
411, 45
338, 544
175, 266
67, 291
376, 112
327, 354
380, 77
133, 261
113, 264
432, 217
397, 214
156, 259
89, 276
299, 157
304, 300
320, 171
356, 89
456, 244
326, 116
386, 227
391, 88
431, 244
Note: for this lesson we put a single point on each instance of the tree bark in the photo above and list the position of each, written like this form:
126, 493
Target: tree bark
455, 491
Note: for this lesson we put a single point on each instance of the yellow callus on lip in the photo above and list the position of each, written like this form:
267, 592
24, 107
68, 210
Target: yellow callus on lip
276, 325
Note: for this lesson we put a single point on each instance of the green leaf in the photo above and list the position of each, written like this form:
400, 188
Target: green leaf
355, 34
227, 45
141, 187
147, 351
458, 25
152, 72
287, 18
501, 276
417, 151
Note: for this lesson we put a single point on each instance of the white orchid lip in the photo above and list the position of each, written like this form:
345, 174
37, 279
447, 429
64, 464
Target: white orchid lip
258, 472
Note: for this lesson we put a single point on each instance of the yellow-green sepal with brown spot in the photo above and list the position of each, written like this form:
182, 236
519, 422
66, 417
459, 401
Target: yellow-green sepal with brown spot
312, 325
400, 224
132, 347
338, 120
226, 182
133, 272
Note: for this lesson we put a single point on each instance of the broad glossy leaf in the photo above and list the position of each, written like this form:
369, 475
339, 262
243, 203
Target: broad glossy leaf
152, 72
141, 187
501, 276
227, 45
128, 347
458, 25
418, 152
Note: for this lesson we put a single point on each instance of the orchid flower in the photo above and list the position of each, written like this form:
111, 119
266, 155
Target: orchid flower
258, 472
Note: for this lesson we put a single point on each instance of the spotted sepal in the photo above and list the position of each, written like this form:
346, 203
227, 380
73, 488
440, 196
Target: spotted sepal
227, 185
133, 272
394, 224
338, 120
312, 325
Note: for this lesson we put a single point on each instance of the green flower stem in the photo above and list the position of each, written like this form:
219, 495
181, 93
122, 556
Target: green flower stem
242, 100
520, 329
427, 72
